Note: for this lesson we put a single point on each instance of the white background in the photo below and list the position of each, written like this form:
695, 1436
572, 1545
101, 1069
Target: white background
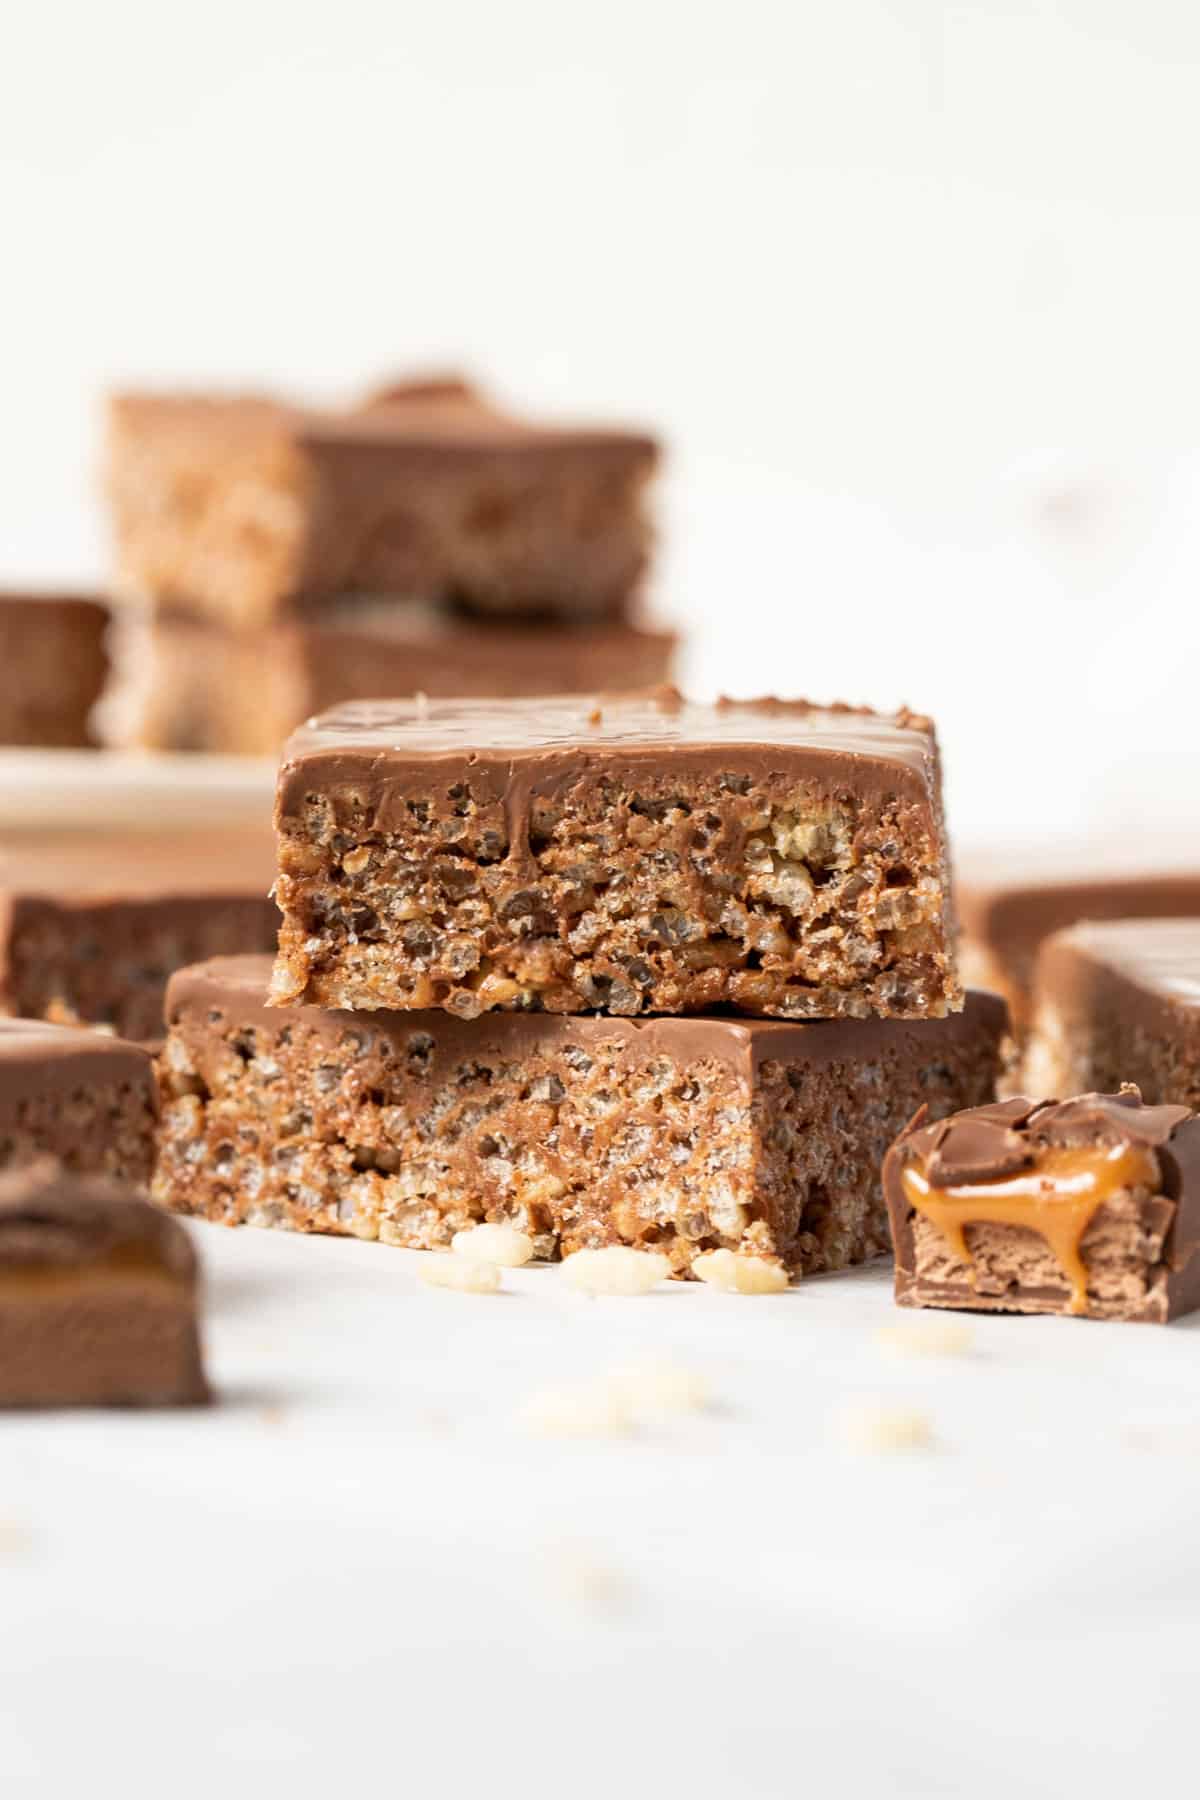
913, 291
911, 288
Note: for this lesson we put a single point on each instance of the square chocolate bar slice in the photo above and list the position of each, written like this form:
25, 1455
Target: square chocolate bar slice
241, 509
82, 1097
53, 667
1115, 1001
209, 688
640, 855
92, 925
1006, 917
684, 1135
97, 1296
1088, 1206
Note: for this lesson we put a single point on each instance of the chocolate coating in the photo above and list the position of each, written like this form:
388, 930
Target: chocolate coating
36, 1058
986, 1143
741, 1043
519, 749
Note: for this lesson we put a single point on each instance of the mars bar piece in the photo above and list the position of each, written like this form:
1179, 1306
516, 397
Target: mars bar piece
53, 666
682, 1134
86, 1099
1006, 919
244, 692
91, 926
1088, 1206
241, 509
97, 1296
1119, 1001
639, 855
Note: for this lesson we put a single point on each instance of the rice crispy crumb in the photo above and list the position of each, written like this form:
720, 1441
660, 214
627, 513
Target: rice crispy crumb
884, 1427
616, 1269
500, 1244
740, 1274
941, 1337
460, 1274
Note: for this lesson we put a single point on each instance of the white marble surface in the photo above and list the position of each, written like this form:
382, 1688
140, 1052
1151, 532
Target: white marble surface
359, 1573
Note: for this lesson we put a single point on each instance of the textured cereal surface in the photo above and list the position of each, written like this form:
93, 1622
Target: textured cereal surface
674, 892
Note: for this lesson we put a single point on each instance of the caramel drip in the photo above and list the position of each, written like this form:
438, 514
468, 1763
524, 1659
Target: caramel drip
1057, 1198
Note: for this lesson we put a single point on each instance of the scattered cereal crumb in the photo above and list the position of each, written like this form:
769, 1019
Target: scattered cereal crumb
503, 1245
459, 1273
940, 1337
617, 1269
740, 1274
887, 1428
586, 1581
586, 1409
16, 1540
657, 1388
595, 717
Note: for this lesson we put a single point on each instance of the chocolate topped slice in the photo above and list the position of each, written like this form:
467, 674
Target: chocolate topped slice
1089, 1206
209, 688
634, 854
53, 666
86, 1099
1008, 913
243, 509
679, 1134
92, 924
97, 1296
1119, 1000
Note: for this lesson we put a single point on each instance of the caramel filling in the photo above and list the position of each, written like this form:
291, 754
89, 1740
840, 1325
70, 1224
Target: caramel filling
1057, 1198
29, 1280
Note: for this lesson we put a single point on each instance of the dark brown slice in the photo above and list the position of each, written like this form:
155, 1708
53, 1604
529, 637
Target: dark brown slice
241, 509
683, 1135
1088, 1206
97, 1296
53, 667
91, 926
209, 688
638, 854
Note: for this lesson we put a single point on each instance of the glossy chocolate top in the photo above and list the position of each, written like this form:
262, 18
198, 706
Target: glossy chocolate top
1159, 956
237, 986
53, 1220
378, 745
36, 1058
434, 419
987, 1143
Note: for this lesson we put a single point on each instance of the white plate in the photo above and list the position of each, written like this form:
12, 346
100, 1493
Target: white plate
98, 789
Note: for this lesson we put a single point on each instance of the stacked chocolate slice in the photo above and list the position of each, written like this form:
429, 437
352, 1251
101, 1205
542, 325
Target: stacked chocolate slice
421, 542
629, 971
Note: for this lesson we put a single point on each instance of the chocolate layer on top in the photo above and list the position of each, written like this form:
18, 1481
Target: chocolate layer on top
512, 751
248, 509
92, 924
1006, 919
418, 422
56, 1060
741, 1043
990, 1141
1120, 1000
